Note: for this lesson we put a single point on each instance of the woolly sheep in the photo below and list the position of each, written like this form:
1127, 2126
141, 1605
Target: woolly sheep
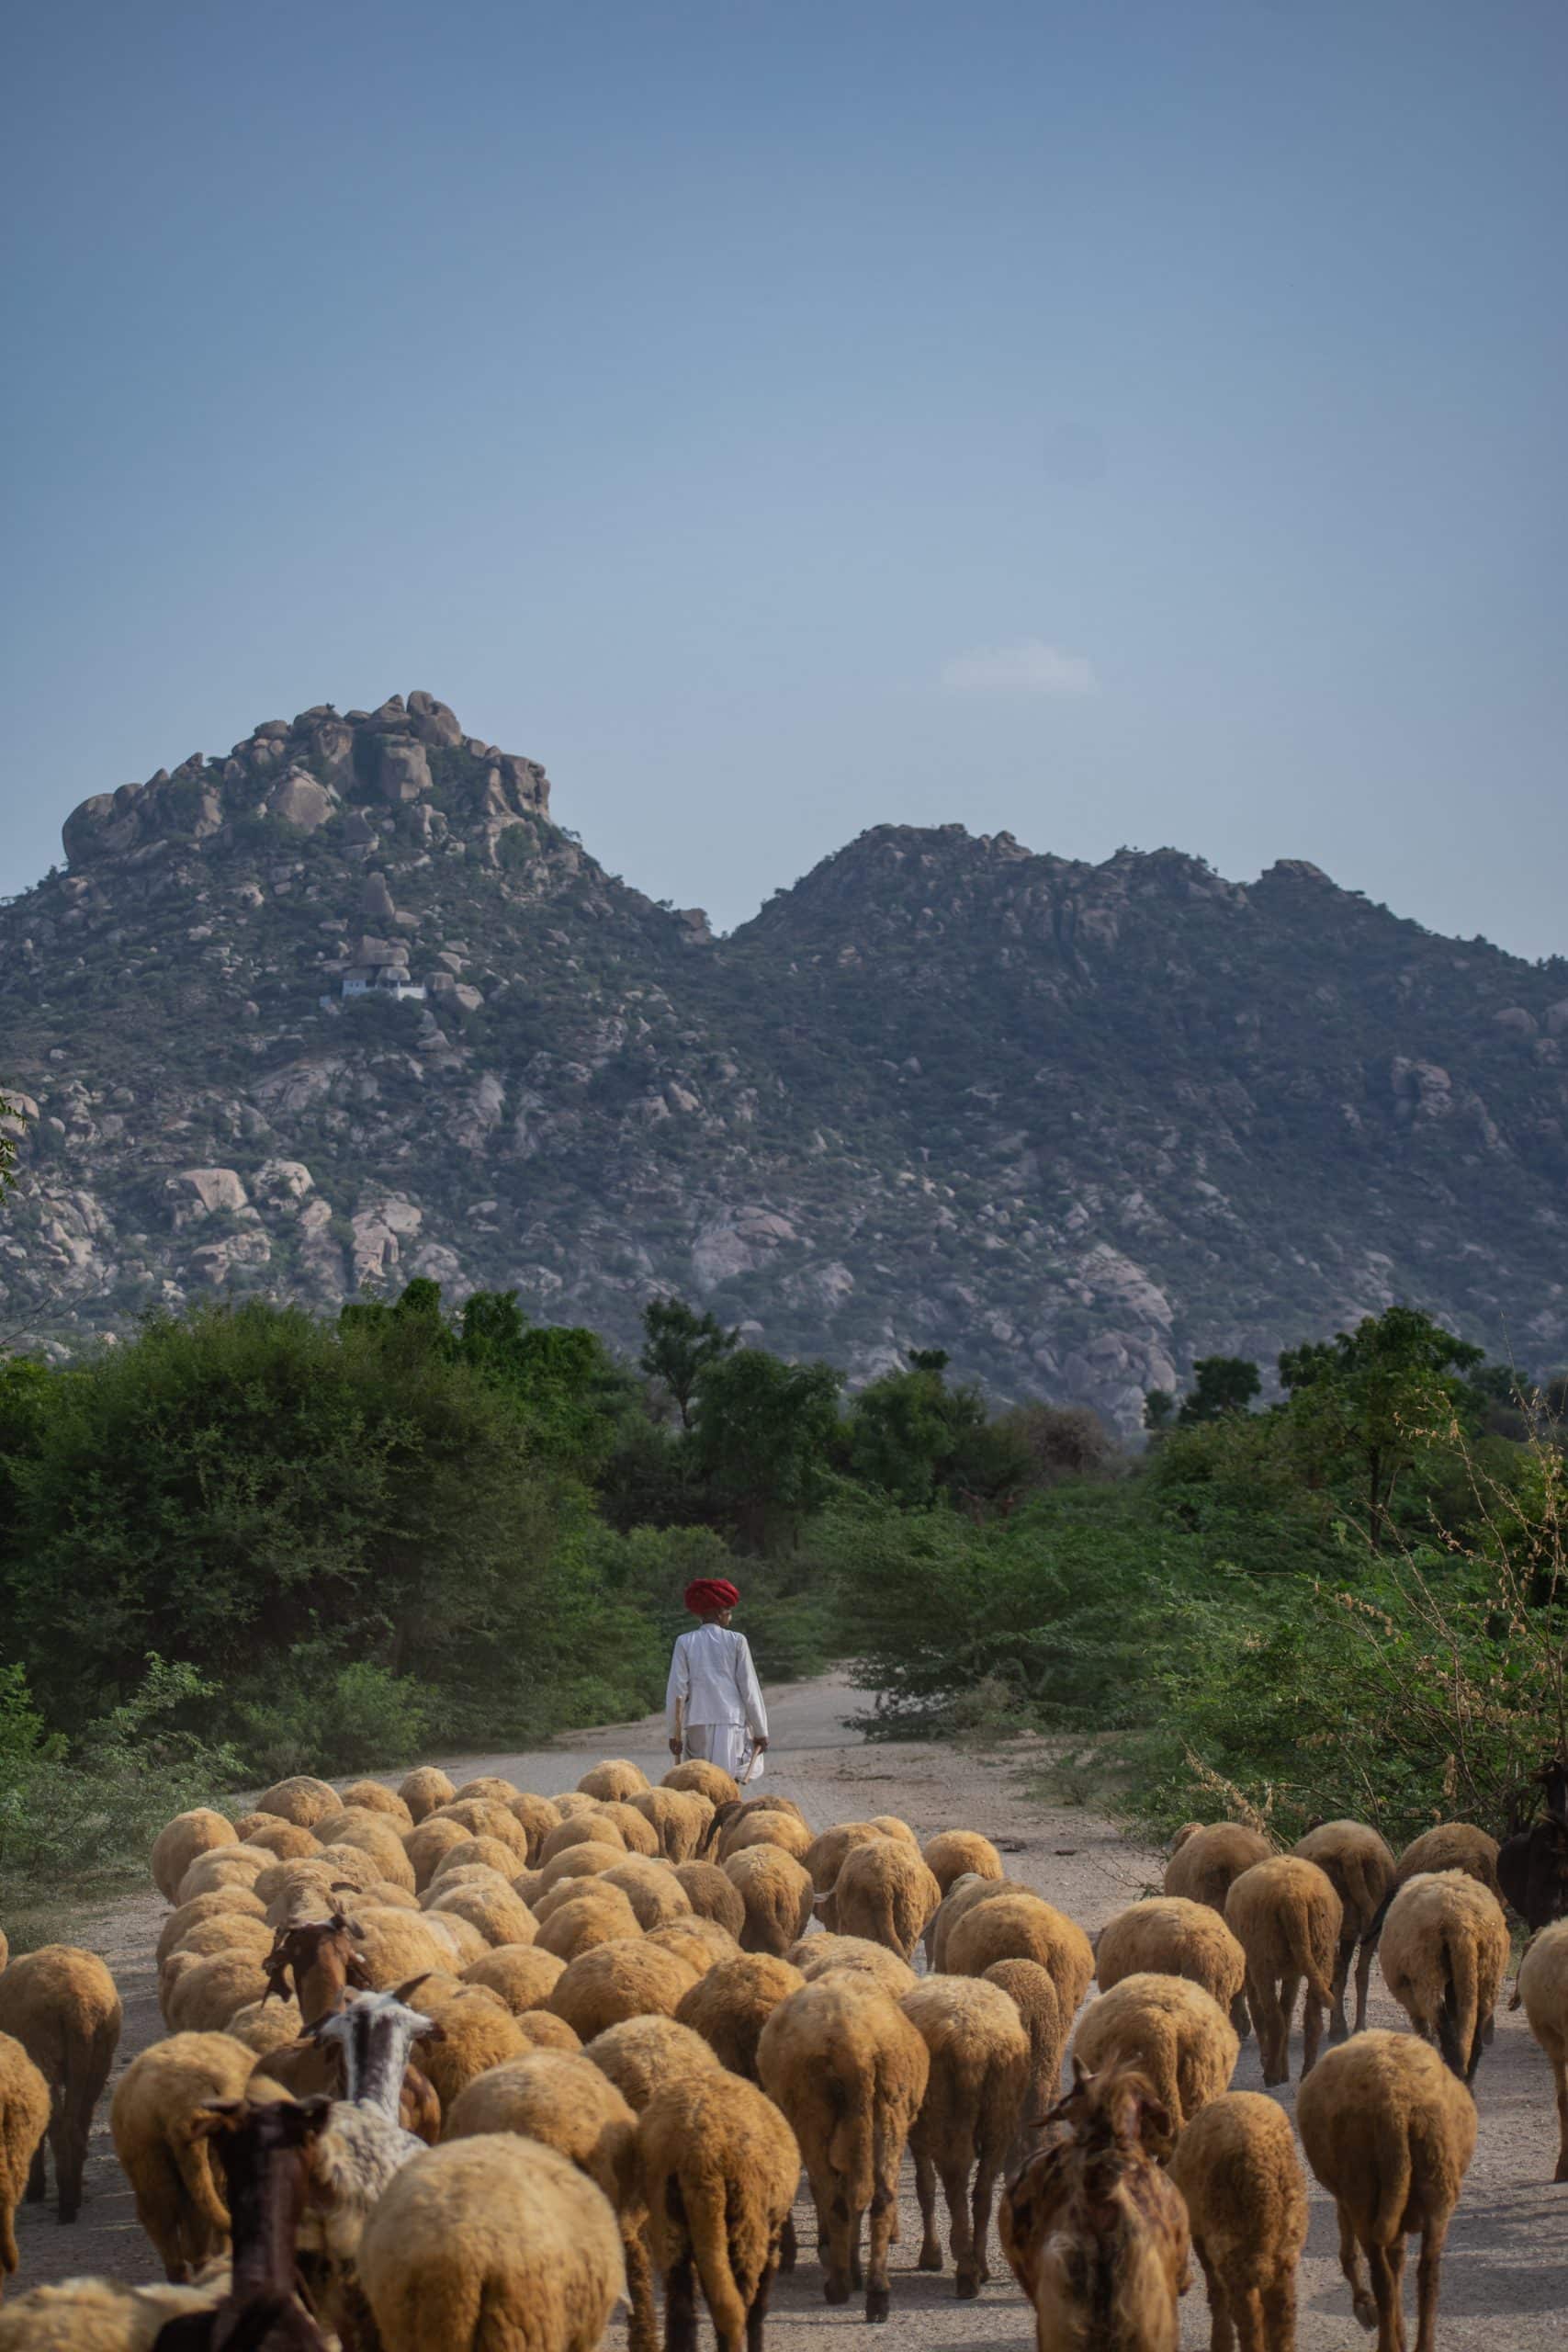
491, 2242
537, 1816
719, 2168
465, 1874
567, 2103
1023, 1926
284, 1840
1286, 1915
1171, 2032
571, 1888
678, 1818
813, 1955
373, 1834
766, 1829
823, 1857
641, 2054
778, 1895
478, 2031
233, 1865
374, 1796
300, 1799
601, 1915
1390, 2134
496, 1914
398, 1944
636, 1833
581, 1829
1204, 1864
885, 1894
202, 1998
178, 1844
238, 1902
652, 1889
165, 2155
1445, 1952
484, 1817
701, 1944
614, 1779
489, 1786
586, 1860
571, 1802
1237, 2169
712, 1894
1361, 1867
979, 2079
961, 1854
488, 1851
24, 2118
1033, 1993
1451, 1846
424, 1790
618, 1980
1167, 1936
222, 1931
351, 1866
961, 1898
61, 2004
710, 1780
427, 1842
521, 1975
849, 2072
1542, 1988
99, 2315
729, 2006
265, 2025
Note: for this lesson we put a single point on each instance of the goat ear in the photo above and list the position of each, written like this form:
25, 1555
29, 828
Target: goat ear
434, 2031
410, 1986
359, 1974
1081, 2074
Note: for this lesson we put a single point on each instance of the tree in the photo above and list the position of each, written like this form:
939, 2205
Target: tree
914, 1437
1221, 1385
760, 1439
1159, 1410
1362, 1403
679, 1346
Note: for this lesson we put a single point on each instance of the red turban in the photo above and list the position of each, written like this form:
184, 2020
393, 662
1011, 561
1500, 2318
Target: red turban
710, 1592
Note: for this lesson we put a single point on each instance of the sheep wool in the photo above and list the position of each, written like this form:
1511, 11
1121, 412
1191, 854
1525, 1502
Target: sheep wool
1032, 1993
710, 1780
641, 2054
600, 1916
537, 1816
374, 1796
719, 2168
61, 2005
153, 2120
1022, 1926
24, 2118
182, 1840
300, 1799
1237, 2169
979, 2079
678, 1818
615, 1781
813, 1955
701, 1944
652, 1889
1178, 2039
1543, 1989
1167, 1936
520, 1974
778, 1895
1444, 1952
960, 1853
1286, 1915
613, 1980
885, 1894
729, 2007
424, 1790
1205, 1862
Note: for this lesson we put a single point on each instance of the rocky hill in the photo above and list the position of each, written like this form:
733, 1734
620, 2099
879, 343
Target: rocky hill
349, 1005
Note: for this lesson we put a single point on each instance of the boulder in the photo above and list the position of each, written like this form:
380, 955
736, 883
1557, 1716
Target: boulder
298, 799
196, 1192
432, 721
375, 898
402, 769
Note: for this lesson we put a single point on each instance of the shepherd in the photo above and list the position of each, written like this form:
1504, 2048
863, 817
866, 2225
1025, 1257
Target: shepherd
714, 1705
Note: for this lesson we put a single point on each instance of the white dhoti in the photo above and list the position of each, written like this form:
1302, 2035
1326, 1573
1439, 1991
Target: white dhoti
730, 1745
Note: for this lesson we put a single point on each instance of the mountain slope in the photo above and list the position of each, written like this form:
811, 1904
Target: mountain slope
1073, 1123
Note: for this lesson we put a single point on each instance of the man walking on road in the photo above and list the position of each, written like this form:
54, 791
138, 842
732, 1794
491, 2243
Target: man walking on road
714, 1705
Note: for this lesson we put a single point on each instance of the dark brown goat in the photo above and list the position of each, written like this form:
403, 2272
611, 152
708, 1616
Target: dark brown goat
1532, 1865
265, 2152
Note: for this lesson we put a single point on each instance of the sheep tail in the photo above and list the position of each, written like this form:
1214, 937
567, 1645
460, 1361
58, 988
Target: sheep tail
705, 2195
852, 2151
194, 2167
1461, 2002
1304, 1959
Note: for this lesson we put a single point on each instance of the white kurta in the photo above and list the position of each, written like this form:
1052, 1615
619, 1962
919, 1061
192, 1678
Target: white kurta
714, 1684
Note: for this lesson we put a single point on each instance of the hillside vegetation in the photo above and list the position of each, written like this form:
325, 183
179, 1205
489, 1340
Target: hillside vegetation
1075, 1125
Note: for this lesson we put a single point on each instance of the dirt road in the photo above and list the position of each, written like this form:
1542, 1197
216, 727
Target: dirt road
1506, 2273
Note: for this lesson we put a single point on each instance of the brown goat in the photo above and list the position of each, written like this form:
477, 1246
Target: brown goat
264, 2152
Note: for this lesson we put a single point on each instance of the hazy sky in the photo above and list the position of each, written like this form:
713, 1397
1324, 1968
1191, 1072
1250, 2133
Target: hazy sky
1139, 420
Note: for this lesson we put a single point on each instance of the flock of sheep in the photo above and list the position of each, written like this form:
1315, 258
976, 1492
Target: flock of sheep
455, 2070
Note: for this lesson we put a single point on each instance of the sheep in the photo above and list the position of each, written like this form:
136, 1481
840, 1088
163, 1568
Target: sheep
468, 1874
1205, 1861
178, 1845
61, 2004
700, 1944
424, 1790
224, 1932
678, 1819
1167, 1936
823, 1857
24, 2118
1286, 1915
284, 1840
813, 1955
1095, 2233
153, 2120
620, 1980
712, 1894
520, 1974
766, 1829
885, 1894
374, 1796
615, 1781
396, 1944
1178, 2038
1389, 2133
203, 1996
1445, 1952
726, 1816
583, 1829
498, 1916
489, 1785
1450, 1845
223, 1902
652, 1889
980, 2065
961, 1898
541, 2030
719, 2167
484, 1853
299, 1799
710, 1780
537, 1816
601, 1916
373, 1834
264, 2149
1032, 1991
478, 2031
589, 1860
1023, 1926
571, 1802
849, 2072
99, 2315
1542, 1986
491, 2242
1361, 1869
640, 2054
1246, 2194
729, 2006
425, 1844
233, 1865
636, 1833
778, 1896
265, 2025
567, 2103
961, 1854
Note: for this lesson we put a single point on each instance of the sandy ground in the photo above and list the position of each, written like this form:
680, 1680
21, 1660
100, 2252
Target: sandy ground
1506, 2272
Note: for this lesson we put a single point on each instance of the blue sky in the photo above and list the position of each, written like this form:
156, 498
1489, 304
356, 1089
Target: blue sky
1119, 422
